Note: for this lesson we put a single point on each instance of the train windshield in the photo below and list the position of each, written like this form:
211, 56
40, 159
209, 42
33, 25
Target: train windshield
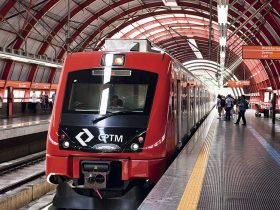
124, 91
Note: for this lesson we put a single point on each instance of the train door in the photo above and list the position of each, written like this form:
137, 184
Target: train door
179, 112
202, 102
205, 101
188, 108
195, 104
173, 110
198, 104
184, 112
192, 120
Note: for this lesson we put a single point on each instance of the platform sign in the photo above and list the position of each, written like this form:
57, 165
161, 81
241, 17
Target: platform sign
42, 86
18, 84
238, 84
260, 52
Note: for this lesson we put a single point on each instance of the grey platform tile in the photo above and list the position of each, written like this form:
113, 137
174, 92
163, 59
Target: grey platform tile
178, 173
169, 188
240, 174
168, 191
21, 131
159, 205
242, 204
9, 122
265, 127
177, 165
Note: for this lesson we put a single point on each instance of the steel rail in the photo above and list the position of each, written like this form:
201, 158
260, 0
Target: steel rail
22, 182
21, 163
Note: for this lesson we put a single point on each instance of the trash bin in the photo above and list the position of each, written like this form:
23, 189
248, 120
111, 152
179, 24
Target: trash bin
266, 113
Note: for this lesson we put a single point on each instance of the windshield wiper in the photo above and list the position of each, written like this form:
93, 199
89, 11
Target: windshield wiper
110, 114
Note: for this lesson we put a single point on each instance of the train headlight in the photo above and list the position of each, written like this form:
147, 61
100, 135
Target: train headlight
136, 143
113, 59
66, 144
134, 147
118, 61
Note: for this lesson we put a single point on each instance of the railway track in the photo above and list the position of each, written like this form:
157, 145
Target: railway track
16, 173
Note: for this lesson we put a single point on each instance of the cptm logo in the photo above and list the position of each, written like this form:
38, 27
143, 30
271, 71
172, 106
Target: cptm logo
83, 142
111, 138
106, 138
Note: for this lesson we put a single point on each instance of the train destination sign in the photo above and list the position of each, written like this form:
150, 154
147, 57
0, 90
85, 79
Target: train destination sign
236, 84
260, 52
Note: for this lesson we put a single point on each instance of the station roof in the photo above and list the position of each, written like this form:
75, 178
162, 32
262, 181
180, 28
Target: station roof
47, 29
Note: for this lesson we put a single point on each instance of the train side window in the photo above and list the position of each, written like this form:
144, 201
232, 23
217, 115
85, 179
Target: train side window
192, 98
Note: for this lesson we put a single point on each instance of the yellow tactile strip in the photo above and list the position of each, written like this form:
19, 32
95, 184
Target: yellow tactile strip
192, 191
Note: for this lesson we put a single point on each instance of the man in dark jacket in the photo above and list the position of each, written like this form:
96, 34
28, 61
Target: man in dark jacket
243, 105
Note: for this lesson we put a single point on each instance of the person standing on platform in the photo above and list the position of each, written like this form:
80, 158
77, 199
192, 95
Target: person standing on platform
237, 105
45, 102
1, 105
229, 106
42, 101
223, 104
219, 106
53, 98
34, 101
243, 105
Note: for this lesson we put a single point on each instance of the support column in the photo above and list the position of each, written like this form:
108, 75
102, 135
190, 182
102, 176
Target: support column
273, 101
10, 102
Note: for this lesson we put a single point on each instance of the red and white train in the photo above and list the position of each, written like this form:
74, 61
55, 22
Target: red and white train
119, 117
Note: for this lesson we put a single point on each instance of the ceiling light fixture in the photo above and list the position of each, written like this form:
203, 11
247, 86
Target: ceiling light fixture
23, 59
222, 14
223, 41
222, 7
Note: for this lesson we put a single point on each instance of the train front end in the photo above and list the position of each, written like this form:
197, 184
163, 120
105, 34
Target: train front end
106, 130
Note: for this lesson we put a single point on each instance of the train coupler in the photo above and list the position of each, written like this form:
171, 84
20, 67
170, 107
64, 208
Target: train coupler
95, 174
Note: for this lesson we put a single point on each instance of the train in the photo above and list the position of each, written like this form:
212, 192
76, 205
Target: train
119, 118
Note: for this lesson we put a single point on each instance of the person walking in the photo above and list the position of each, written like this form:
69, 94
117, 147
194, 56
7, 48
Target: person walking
243, 105
34, 101
1, 105
219, 106
41, 101
45, 102
223, 104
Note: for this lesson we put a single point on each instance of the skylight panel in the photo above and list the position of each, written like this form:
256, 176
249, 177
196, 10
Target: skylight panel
127, 29
194, 48
146, 20
152, 26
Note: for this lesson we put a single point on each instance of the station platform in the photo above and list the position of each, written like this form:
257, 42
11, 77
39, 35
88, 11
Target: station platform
224, 166
20, 126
